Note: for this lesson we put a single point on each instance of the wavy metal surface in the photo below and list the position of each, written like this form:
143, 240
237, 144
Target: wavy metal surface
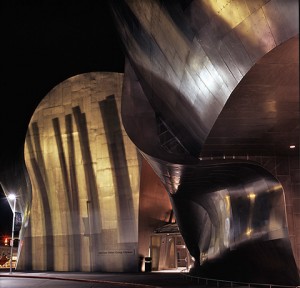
185, 58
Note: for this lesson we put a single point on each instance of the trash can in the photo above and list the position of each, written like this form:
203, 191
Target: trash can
148, 264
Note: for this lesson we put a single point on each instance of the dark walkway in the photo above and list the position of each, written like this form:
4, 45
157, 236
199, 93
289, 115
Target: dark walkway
94, 280
113, 280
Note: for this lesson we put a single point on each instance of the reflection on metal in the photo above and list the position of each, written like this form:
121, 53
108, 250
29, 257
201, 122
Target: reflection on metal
185, 58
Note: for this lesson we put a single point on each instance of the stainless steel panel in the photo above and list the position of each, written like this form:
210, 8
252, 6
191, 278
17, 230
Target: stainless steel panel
231, 213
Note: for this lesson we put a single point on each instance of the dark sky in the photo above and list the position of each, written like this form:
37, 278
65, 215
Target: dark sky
43, 43
6, 217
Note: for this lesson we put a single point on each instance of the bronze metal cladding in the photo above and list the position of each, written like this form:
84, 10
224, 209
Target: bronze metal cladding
184, 61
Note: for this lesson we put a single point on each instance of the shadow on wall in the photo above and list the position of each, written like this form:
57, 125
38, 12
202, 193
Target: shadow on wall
85, 176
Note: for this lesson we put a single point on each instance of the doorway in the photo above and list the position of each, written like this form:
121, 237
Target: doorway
168, 252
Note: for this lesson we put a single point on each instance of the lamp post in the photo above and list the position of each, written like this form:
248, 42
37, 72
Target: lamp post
14, 198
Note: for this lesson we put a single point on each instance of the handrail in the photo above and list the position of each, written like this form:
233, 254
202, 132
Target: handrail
231, 282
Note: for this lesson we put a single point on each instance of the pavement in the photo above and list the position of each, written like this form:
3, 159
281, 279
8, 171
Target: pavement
169, 279
96, 280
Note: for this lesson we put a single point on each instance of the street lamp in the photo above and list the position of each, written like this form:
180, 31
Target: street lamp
14, 198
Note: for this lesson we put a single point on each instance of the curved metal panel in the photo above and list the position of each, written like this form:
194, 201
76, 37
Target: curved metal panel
184, 61
197, 66
232, 217
85, 180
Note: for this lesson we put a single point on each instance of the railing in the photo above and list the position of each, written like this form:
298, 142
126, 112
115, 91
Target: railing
218, 282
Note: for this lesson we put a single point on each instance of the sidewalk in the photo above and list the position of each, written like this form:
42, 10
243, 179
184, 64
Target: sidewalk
88, 280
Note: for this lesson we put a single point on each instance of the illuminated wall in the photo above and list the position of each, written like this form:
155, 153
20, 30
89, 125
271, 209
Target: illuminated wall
85, 180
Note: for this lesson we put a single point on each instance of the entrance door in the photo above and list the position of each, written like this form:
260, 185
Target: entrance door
182, 257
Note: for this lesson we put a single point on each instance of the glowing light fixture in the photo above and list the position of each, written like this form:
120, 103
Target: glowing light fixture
292, 146
249, 232
11, 197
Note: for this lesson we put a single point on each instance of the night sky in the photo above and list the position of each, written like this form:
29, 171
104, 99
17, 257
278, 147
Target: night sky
44, 43
6, 216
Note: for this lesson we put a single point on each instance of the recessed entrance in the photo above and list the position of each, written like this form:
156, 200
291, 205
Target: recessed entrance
168, 250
